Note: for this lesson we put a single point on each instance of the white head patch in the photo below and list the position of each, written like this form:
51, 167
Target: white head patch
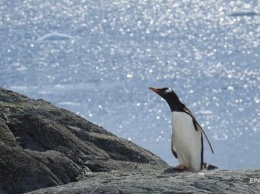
168, 91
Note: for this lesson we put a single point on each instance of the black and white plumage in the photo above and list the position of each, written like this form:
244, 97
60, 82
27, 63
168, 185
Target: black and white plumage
187, 134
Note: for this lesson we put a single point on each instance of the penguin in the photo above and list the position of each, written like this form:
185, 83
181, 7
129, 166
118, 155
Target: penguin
187, 134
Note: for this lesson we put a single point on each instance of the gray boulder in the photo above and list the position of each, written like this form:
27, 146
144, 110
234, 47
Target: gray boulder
43, 146
147, 180
45, 149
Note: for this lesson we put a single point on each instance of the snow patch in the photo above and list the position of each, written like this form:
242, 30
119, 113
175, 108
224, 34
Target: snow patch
55, 37
244, 13
68, 103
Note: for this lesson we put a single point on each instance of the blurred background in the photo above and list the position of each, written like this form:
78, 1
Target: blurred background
98, 59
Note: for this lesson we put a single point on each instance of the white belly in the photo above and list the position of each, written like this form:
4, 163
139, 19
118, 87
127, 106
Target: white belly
186, 140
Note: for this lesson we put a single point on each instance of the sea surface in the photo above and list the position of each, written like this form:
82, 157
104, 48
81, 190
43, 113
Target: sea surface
98, 59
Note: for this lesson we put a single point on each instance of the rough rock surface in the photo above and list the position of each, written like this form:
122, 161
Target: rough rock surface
42, 146
156, 181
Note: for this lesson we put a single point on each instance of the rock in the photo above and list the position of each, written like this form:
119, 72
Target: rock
45, 149
148, 180
42, 146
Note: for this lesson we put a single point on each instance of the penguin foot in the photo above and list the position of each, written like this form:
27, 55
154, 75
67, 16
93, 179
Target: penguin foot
190, 169
180, 167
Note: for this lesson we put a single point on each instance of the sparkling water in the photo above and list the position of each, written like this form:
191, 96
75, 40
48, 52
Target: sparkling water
98, 59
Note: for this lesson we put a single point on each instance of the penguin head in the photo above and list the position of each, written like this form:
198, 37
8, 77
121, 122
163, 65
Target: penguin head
170, 96
165, 93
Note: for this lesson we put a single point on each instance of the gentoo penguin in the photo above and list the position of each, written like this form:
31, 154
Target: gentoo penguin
187, 134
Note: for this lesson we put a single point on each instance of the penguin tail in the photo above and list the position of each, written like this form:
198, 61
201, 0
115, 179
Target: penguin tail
207, 166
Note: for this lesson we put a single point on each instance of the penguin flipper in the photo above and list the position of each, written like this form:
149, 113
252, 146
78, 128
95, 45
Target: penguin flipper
197, 126
173, 151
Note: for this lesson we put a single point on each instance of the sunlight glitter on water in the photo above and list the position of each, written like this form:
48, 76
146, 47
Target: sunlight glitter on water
104, 55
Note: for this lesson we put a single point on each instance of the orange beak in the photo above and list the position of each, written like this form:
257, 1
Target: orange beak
154, 89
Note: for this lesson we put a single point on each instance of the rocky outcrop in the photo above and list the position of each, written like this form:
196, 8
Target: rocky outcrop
156, 181
42, 146
56, 151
